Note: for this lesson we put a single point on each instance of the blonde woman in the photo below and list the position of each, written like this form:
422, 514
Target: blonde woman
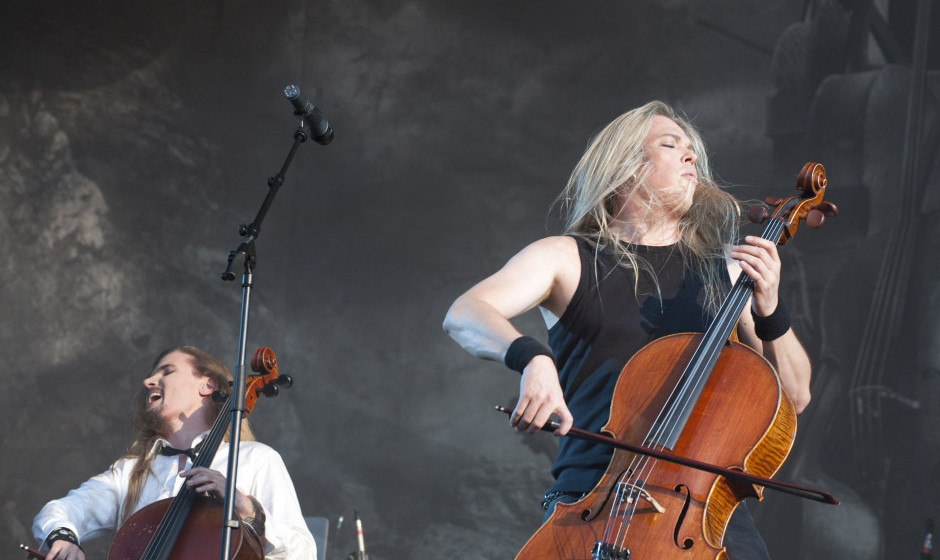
648, 251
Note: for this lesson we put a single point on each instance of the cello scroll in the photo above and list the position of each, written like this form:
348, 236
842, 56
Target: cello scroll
267, 382
808, 206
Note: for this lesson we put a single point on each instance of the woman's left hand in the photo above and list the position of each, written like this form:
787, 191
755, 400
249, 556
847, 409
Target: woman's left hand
759, 259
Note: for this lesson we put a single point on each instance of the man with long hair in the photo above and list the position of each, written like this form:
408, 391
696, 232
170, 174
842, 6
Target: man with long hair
174, 413
649, 250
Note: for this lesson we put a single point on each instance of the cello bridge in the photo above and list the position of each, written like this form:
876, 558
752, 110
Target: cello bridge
627, 488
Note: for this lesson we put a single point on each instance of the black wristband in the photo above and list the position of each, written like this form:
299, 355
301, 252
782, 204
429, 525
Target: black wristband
63, 534
772, 326
521, 352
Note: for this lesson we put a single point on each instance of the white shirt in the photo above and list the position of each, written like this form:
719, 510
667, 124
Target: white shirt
96, 507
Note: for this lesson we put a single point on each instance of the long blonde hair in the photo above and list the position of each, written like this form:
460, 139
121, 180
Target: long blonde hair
205, 365
615, 167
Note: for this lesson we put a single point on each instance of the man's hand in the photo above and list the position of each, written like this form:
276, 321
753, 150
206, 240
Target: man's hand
204, 480
64, 550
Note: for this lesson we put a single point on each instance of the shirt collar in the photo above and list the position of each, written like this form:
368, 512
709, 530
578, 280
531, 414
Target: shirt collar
161, 442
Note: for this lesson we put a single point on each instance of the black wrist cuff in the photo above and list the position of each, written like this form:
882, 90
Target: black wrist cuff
62, 534
774, 325
522, 350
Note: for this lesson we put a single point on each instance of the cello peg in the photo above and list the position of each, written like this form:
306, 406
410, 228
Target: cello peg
828, 209
271, 390
285, 380
757, 214
773, 200
815, 218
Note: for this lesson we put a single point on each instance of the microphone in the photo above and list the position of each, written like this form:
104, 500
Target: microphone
310, 114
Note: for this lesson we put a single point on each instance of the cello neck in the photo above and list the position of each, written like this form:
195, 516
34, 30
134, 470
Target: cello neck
164, 537
726, 319
669, 426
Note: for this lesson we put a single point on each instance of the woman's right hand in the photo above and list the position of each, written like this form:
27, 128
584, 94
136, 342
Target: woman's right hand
540, 396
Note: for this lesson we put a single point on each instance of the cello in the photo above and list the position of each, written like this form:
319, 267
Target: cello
188, 526
683, 394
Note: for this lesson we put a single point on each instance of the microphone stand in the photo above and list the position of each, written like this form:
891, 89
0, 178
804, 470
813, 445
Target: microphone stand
360, 552
245, 254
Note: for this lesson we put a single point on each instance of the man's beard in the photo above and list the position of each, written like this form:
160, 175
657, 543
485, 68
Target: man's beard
153, 422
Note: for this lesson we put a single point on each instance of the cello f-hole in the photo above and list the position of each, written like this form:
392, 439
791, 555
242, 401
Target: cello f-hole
590, 513
687, 543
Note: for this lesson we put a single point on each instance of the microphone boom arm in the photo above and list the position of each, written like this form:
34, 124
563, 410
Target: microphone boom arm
245, 255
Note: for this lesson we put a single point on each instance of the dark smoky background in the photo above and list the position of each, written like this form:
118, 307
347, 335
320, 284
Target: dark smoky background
136, 137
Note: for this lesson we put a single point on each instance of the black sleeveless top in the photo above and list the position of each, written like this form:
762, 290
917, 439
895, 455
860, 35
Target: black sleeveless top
603, 326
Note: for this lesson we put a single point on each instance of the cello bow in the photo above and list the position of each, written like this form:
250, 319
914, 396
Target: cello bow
737, 475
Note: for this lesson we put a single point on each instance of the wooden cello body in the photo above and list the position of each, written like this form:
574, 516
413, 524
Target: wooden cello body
701, 397
197, 540
722, 430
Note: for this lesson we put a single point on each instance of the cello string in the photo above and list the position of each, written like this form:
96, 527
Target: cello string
631, 505
615, 520
616, 506
643, 466
681, 396
636, 489
713, 341
161, 544
695, 373
693, 376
